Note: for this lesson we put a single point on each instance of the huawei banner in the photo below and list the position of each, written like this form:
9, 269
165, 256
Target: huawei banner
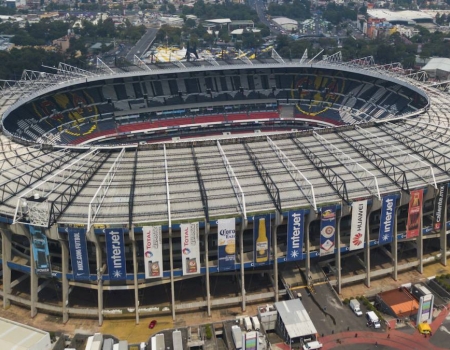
190, 248
414, 214
327, 230
226, 236
358, 229
439, 205
295, 235
115, 254
387, 220
153, 262
78, 253
261, 239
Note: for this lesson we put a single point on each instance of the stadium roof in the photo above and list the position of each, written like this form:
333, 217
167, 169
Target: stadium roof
398, 16
22, 337
295, 318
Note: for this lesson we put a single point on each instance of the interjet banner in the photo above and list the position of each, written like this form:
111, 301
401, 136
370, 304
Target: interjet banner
41, 253
387, 220
115, 254
261, 239
153, 262
226, 238
327, 230
358, 229
190, 248
414, 214
295, 235
439, 205
78, 253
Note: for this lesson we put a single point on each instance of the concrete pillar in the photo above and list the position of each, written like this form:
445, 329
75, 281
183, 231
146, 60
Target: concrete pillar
172, 283
99, 267
276, 223
443, 233
33, 282
208, 293
337, 252
376, 205
241, 253
64, 280
404, 199
6, 256
431, 194
135, 272
308, 219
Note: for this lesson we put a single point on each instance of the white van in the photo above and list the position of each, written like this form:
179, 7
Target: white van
372, 319
247, 324
312, 345
256, 324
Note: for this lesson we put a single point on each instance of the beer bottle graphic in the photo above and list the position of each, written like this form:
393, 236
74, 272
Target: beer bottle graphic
262, 243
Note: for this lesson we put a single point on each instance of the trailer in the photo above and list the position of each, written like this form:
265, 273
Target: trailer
248, 324
256, 324
237, 337
177, 340
108, 344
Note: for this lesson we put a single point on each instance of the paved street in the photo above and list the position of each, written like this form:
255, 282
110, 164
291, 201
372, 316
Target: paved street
142, 45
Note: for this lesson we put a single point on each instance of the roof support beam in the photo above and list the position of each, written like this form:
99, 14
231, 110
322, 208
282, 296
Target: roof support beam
166, 169
302, 182
234, 182
201, 184
103, 66
132, 189
141, 64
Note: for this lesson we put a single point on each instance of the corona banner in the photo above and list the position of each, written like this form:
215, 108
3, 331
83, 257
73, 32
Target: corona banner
78, 253
153, 262
414, 214
115, 254
190, 248
358, 228
439, 204
295, 235
41, 253
226, 238
327, 230
261, 240
387, 220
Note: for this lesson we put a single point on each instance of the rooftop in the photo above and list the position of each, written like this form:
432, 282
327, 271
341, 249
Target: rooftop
295, 318
21, 337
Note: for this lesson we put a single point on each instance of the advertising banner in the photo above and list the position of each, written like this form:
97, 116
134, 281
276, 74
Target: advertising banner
358, 228
327, 230
78, 253
387, 220
414, 214
190, 248
295, 235
41, 253
261, 239
425, 314
226, 238
153, 262
115, 254
439, 205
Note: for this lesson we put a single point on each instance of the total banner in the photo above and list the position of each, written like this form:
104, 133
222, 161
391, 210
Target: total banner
261, 239
78, 253
414, 214
295, 235
327, 230
358, 228
226, 238
41, 253
190, 248
439, 205
387, 219
153, 262
115, 254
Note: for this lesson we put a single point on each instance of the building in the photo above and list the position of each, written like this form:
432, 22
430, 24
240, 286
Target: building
267, 315
19, 336
286, 23
438, 68
399, 303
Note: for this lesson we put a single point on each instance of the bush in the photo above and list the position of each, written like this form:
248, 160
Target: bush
208, 332
346, 301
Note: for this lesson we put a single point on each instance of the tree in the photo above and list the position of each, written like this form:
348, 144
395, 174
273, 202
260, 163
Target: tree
171, 8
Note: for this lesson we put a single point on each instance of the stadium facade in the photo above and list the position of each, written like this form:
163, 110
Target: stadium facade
107, 210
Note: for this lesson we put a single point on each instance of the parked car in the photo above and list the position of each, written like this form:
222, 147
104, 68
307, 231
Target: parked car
152, 324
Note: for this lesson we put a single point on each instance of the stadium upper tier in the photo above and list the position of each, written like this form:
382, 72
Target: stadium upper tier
125, 184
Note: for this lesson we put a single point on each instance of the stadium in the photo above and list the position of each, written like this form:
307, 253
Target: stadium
170, 187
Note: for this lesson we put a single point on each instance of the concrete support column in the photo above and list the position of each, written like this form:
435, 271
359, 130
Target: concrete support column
338, 254
34, 281
376, 205
208, 294
394, 246
64, 280
135, 272
277, 222
443, 233
241, 253
6, 256
308, 219
431, 194
100, 270
172, 283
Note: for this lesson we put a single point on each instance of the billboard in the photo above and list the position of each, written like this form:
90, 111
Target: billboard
152, 241
414, 214
387, 219
327, 230
78, 253
425, 314
41, 253
190, 248
261, 239
439, 205
226, 238
115, 254
295, 235
358, 228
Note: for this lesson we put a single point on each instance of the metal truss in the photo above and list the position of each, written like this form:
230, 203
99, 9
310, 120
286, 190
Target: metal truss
97, 200
243, 57
392, 171
132, 189
331, 177
301, 180
391, 68
419, 76
314, 58
201, 184
17, 160
367, 61
212, 61
234, 182
103, 66
18, 183
410, 161
361, 174
277, 57
166, 169
304, 57
71, 71
271, 186
430, 129
141, 64
179, 64
334, 58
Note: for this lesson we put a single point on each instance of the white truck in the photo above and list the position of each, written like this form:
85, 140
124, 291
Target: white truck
247, 324
256, 324
356, 307
237, 337
312, 345
372, 319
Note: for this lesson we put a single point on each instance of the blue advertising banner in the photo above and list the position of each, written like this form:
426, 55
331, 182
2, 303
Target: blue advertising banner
41, 254
78, 253
327, 230
115, 254
295, 235
261, 239
226, 237
387, 219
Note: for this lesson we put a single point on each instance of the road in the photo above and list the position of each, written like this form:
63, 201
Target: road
142, 45
258, 5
